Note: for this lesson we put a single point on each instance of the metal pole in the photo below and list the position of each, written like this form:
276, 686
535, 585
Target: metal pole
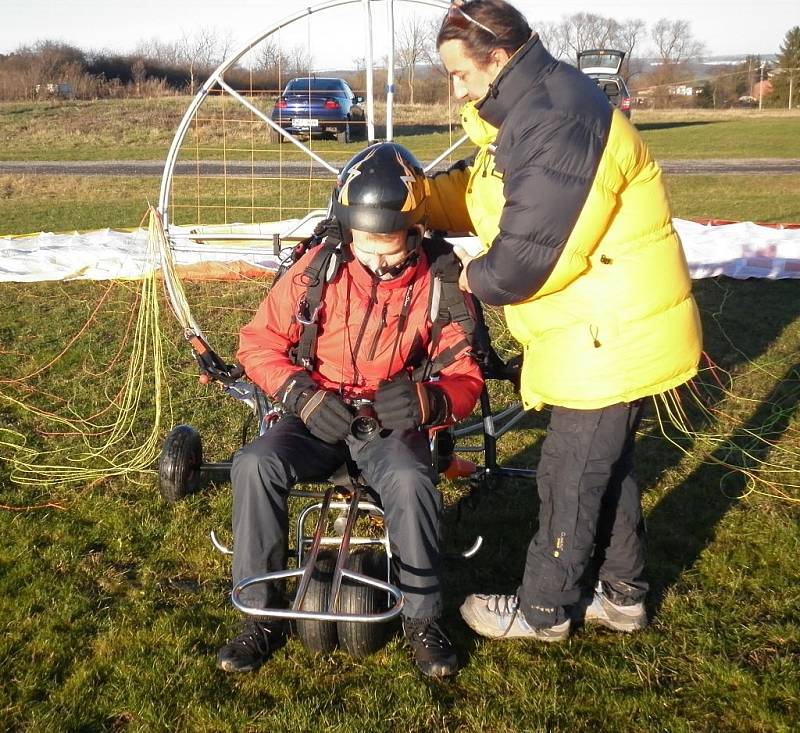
791, 80
390, 73
369, 64
761, 87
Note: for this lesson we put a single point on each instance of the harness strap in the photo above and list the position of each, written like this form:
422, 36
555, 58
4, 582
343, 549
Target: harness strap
446, 302
447, 305
319, 271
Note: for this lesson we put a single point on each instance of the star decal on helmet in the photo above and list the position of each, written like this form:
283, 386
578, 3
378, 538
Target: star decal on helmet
352, 174
409, 179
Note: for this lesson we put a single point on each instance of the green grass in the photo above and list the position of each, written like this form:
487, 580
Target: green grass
738, 197
699, 135
113, 607
66, 203
142, 129
132, 129
114, 604
31, 203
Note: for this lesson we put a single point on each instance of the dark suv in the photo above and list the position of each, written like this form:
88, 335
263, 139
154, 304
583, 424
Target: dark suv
319, 106
603, 66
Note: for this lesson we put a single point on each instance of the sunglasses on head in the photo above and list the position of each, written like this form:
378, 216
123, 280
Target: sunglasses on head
458, 18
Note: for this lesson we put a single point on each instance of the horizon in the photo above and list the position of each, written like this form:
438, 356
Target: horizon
118, 28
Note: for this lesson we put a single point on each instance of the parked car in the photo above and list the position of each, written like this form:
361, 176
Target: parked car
603, 66
319, 107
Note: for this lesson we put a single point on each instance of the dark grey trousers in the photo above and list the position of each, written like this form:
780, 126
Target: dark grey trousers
397, 468
590, 508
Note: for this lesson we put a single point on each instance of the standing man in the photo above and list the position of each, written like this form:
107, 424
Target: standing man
581, 251
374, 341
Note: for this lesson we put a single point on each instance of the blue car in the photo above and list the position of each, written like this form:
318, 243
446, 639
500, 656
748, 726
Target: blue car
319, 107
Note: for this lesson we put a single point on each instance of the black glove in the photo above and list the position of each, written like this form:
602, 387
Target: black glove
324, 413
401, 404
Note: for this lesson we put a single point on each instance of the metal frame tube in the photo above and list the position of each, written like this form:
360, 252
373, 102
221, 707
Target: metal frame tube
216, 78
311, 563
369, 70
283, 613
344, 550
390, 72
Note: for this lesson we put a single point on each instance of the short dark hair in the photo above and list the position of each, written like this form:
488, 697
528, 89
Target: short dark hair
510, 27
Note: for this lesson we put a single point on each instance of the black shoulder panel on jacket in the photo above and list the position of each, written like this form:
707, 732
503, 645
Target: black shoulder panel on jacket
554, 129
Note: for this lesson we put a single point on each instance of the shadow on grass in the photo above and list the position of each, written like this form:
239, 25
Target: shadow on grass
644, 126
406, 130
684, 523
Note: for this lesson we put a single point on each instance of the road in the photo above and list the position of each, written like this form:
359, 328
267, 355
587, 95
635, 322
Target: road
772, 166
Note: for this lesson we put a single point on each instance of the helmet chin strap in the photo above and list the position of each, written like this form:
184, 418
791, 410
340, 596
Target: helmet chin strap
394, 271
413, 240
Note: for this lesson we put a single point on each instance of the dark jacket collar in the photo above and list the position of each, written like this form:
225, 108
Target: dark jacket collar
524, 70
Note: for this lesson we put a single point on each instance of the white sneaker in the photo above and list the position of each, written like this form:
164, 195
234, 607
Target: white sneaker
619, 618
499, 617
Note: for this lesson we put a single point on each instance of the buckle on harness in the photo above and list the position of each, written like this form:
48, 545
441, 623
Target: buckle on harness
304, 315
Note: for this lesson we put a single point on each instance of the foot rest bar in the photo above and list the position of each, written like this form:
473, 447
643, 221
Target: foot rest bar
287, 613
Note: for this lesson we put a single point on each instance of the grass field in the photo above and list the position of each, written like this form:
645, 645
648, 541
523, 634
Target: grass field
113, 603
142, 129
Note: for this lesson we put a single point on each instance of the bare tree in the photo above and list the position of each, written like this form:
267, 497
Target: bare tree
583, 31
554, 37
279, 64
139, 74
199, 52
413, 47
628, 34
674, 41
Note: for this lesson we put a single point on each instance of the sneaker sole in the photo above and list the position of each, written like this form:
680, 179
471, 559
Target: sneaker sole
625, 628
231, 667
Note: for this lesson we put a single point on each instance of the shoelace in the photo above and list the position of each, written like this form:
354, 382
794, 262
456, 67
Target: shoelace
254, 637
502, 605
432, 636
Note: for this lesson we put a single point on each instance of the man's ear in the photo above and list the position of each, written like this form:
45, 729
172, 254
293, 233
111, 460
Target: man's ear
499, 56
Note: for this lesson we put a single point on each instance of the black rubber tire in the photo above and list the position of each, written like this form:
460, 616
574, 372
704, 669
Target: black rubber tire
319, 636
361, 639
179, 464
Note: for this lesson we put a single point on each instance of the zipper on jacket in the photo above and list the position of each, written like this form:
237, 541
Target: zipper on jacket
373, 300
381, 326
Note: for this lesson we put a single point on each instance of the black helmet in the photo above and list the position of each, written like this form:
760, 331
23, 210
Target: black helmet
381, 190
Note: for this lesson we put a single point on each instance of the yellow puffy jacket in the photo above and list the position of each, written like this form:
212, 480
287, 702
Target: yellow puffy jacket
581, 250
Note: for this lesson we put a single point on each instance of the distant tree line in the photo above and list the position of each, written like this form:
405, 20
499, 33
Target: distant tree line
156, 68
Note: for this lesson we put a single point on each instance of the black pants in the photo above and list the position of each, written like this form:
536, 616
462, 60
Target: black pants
590, 506
398, 468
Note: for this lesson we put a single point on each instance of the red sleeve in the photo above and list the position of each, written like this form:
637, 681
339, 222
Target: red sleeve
264, 343
461, 380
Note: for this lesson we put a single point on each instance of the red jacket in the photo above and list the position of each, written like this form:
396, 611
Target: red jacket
357, 345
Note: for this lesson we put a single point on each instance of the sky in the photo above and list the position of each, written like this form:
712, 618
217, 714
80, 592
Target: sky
725, 26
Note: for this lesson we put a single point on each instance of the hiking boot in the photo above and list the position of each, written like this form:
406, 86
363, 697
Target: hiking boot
602, 611
499, 617
432, 650
254, 645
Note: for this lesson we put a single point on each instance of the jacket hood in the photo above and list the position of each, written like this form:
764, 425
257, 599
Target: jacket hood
524, 70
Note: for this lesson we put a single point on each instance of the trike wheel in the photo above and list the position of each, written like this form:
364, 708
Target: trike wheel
179, 464
318, 636
361, 639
